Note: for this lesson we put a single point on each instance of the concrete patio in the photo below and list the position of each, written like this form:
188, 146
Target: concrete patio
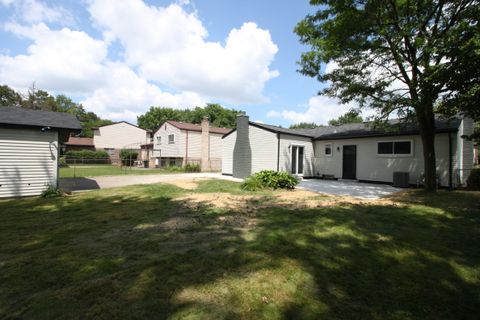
348, 188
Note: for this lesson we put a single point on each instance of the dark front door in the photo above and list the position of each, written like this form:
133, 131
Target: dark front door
349, 162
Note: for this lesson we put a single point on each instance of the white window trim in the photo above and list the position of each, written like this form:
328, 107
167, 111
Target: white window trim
159, 140
173, 141
331, 150
393, 155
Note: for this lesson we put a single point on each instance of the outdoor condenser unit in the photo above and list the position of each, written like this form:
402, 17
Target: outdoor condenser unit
401, 179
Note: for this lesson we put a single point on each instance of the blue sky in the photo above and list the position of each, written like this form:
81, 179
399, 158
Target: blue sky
120, 57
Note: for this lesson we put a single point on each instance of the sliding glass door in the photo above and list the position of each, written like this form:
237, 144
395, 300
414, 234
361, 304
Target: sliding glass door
297, 159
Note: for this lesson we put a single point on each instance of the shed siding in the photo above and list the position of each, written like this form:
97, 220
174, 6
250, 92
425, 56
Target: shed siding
28, 161
286, 156
373, 167
228, 144
118, 136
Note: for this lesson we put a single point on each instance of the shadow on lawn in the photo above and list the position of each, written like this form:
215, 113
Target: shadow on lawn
157, 257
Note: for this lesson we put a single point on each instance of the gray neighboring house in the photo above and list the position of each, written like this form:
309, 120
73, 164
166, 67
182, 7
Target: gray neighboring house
29, 149
353, 151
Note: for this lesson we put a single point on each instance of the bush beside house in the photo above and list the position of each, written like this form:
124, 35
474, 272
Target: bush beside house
269, 179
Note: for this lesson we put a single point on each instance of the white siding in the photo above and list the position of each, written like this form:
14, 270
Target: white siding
216, 146
194, 145
28, 161
228, 144
175, 150
286, 156
465, 150
264, 146
373, 167
118, 136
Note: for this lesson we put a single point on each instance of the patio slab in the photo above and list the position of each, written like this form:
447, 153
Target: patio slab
348, 188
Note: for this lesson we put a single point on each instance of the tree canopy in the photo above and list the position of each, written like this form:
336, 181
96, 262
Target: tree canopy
349, 117
411, 58
218, 116
304, 125
42, 100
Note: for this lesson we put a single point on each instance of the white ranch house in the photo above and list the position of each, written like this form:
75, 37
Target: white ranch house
353, 151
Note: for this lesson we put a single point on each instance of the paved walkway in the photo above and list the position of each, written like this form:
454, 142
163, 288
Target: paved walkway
91, 183
348, 188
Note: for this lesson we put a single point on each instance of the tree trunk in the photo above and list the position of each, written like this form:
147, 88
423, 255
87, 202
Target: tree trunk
426, 122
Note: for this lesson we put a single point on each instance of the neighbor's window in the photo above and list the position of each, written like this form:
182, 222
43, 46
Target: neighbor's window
394, 148
159, 140
328, 149
171, 138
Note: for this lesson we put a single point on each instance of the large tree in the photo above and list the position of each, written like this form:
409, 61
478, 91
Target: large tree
304, 125
415, 58
9, 97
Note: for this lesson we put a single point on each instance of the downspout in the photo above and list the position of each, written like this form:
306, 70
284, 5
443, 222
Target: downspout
278, 152
450, 162
186, 148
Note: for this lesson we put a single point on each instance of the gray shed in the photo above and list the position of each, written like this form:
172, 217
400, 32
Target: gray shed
29, 149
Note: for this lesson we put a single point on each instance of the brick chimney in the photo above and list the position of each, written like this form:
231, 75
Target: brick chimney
205, 144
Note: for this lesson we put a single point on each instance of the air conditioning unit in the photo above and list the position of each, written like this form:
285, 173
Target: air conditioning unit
401, 179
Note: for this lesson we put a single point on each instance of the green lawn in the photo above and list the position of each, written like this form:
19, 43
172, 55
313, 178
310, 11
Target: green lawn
217, 252
107, 170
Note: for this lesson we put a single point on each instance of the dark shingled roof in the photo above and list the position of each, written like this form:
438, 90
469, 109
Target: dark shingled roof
16, 116
361, 130
197, 127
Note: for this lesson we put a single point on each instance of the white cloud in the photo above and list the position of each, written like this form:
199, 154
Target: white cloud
127, 95
72, 62
320, 110
165, 58
173, 50
58, 60
34, 11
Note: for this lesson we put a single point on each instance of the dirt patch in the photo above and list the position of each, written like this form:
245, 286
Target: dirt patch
189, 184
293, 199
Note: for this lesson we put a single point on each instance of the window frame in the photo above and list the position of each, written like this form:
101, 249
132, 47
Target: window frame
173, 139
393, 154
325, 149
159, 140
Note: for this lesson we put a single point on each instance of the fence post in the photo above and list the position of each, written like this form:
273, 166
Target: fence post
74, 167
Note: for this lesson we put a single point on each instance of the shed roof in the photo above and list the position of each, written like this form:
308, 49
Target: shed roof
16, 116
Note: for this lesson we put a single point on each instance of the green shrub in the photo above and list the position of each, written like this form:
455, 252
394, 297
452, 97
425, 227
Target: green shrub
128, 156
270, 179
62, 163
252, 183
190, 167
87, 154
51, 192
473, 181
175, 169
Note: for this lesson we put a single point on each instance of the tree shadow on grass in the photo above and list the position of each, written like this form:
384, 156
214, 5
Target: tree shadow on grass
123, 255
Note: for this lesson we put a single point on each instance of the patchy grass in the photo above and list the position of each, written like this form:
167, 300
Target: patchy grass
108, 170
215, 251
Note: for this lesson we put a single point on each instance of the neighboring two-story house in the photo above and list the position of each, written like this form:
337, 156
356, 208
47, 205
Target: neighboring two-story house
179, 143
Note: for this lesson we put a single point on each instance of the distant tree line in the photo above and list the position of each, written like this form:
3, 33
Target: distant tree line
218, 116
351, 116
42, 100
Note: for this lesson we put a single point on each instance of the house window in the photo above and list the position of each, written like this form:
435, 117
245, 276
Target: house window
171, 139
328, 149
159, 140
394, 148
